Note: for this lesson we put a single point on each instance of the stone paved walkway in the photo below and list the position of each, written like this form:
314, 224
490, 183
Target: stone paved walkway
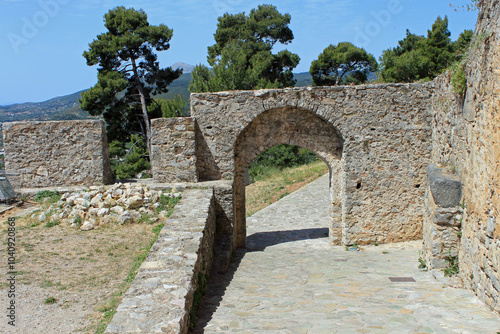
290, 280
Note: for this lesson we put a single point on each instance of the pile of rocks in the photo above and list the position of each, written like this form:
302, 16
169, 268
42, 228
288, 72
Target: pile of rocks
118, 203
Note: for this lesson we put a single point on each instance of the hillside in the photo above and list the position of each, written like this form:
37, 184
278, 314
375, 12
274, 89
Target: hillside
67, 107
59, 108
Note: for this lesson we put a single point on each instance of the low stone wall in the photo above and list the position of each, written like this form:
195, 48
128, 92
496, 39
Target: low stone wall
161, 296
173, 149
442, 219
56, 153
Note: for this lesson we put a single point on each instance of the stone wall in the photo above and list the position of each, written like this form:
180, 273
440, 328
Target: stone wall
56, 153
382, 150
173, 149
466, 137
160, 298
443, 218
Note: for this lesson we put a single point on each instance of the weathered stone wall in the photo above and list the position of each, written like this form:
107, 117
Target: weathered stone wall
161, 296
173, 149
384, 129
44, 154
466, 137
442, 220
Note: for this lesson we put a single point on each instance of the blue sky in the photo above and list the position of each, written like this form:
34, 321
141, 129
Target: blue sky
43, 40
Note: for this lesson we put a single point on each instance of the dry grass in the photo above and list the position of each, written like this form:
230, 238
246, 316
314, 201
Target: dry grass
97, 266
265, 192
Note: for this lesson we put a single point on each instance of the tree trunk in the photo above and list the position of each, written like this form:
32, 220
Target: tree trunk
144, 107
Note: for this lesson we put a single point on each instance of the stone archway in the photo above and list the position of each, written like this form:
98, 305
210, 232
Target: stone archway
293, 126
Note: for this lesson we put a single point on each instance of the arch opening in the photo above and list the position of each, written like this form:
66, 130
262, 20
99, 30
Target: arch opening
292, 126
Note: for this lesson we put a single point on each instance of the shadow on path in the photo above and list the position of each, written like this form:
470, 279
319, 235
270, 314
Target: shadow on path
260, 240
220, 280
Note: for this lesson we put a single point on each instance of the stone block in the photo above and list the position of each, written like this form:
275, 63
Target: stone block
446, 189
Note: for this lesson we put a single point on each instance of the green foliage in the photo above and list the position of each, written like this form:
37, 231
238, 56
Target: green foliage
242, 57
453, 268
167, 203
458, 78
50, 300
422, 264
52, 224
78, 221
116, 149
463, 43
47, 196
278, 158
168, 108
197, 298
419, 58
342, 64
129, 73
132, 160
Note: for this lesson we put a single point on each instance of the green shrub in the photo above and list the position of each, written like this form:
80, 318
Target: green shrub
52, 196
278, 158
458, 78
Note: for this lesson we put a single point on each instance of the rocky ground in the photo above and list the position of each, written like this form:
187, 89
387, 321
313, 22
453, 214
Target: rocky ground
76, 255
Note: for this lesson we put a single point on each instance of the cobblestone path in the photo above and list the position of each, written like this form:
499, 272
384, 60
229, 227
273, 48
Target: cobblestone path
290, 280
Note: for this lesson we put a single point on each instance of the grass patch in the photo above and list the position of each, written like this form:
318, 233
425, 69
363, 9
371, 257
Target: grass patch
109, 308
50, 300
276, 184
52, 224
47, 196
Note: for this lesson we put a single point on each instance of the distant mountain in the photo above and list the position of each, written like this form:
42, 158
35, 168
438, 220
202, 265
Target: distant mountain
185, 67
67, 107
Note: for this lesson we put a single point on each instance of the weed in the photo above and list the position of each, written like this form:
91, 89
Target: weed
452, 268
286, 193
50, 300
167, 204
146, 219
458, 78
459, 234
385, 252
422, 264
52, 196
52, 224
197, 297
78, 221
47, 284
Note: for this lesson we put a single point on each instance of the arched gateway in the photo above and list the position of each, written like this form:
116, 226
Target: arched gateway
293, 126
374, 139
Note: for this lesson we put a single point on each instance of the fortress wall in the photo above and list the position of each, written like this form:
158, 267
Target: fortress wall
56, 153
385, 132
466, 139
173, 149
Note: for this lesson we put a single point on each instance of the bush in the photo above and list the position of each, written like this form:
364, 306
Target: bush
278, 158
